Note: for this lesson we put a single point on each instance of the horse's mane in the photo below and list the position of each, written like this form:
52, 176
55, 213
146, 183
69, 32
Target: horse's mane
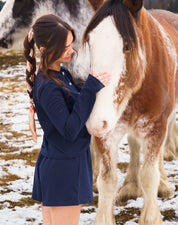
72, 5
28, 7
122, 19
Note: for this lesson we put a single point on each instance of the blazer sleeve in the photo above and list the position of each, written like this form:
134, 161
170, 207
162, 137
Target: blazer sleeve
53, 103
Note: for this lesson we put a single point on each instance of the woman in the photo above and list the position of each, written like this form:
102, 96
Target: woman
63, 173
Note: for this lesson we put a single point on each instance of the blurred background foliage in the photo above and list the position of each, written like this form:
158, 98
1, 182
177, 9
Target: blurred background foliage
171, 5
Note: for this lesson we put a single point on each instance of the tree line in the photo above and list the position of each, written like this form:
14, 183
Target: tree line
171, 5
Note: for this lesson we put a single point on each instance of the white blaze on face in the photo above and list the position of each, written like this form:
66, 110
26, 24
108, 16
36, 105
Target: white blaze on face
106, 54
6, 20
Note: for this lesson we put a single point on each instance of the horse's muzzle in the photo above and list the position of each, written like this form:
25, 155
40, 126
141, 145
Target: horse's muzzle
98, 131
3, 43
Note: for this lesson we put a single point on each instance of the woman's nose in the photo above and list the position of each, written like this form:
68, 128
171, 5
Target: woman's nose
71, 50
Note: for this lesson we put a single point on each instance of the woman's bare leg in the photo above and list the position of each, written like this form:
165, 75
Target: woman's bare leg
46, 212
65, 215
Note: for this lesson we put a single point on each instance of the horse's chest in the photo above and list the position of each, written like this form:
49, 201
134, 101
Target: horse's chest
137, 121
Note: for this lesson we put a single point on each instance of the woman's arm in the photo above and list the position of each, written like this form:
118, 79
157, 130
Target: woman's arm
69, 124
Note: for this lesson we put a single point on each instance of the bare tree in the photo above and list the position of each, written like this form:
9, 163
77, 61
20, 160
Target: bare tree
160, 4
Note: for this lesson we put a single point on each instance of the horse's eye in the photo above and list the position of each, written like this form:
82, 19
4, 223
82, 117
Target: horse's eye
126, 47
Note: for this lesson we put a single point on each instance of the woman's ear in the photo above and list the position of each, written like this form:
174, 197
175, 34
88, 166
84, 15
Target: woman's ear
42, 49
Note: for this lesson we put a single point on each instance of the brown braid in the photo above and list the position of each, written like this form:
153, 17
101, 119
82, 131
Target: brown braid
29, 53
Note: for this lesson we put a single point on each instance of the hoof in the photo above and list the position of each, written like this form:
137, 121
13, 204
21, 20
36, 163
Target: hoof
164, 190
95, 188
128, 191
170, 153
99, 223
148, 219
104, 220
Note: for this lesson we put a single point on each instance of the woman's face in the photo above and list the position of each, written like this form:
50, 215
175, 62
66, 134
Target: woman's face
68, 51
66, 55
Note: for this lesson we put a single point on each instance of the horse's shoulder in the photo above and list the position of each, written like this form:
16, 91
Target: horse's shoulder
164, 17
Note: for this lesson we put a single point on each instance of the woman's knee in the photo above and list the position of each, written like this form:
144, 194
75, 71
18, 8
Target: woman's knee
46, 212
65, 215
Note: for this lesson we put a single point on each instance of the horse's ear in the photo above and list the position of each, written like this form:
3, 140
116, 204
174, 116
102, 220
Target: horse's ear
95, 4
133, 5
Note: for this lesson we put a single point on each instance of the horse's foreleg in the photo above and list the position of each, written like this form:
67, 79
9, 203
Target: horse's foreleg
150, 178
164, 190
95, 162
107, 184
171, 145
131, 188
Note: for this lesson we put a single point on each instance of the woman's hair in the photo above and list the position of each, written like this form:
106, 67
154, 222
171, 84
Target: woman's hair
50, 32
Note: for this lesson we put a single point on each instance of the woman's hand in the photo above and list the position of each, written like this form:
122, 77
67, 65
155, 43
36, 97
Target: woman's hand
103, 77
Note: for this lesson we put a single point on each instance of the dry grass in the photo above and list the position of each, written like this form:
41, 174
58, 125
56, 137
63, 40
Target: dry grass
10, 60
21, 203
29, 157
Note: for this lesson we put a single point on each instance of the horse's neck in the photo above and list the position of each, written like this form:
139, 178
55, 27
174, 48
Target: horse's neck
158, 38
147, 31
155, 39
169, 21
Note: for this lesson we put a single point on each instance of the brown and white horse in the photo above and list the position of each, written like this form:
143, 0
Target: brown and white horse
140, 50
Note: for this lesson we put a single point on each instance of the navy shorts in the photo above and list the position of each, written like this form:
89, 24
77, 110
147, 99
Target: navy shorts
63, 182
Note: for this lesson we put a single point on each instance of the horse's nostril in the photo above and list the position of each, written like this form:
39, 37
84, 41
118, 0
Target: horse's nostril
3, 43
105, 125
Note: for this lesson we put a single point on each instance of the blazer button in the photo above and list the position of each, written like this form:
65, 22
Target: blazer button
63, 73
70, 83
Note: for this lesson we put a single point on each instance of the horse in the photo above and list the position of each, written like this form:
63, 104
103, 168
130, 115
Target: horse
139, 48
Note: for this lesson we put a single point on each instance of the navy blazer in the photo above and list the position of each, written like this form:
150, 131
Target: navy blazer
63, 112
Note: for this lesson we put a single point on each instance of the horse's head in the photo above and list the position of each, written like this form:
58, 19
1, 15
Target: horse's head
17, 16
113, 38
14, 16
